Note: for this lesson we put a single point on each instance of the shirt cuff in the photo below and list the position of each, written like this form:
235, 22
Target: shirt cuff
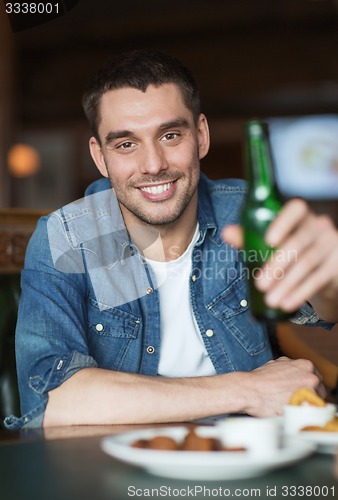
307, 316
63, 369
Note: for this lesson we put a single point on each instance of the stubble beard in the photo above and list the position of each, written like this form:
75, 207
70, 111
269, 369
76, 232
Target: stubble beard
157, 219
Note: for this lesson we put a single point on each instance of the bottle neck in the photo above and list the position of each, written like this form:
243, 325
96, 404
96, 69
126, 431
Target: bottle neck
260, 173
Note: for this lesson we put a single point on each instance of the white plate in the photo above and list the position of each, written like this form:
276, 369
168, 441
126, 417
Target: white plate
201, 465
327, 442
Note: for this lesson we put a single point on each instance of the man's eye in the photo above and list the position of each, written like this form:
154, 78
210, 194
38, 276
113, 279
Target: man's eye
170, 136
125, 145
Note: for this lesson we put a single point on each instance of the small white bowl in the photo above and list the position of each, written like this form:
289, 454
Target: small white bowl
259, 436
297, 417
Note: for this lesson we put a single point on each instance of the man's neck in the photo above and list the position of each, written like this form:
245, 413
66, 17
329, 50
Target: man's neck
173, 243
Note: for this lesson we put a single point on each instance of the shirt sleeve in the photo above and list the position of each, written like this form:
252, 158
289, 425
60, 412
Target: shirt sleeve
51, 343
307, 316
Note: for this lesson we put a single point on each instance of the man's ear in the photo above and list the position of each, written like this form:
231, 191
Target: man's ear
97, 155
203, 136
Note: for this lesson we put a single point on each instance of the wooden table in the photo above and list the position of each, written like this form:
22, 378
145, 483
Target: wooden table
68, 464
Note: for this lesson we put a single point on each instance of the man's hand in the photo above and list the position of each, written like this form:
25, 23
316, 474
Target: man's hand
275, 382
306, 266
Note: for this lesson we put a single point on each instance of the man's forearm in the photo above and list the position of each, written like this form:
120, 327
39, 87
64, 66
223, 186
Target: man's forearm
97, 396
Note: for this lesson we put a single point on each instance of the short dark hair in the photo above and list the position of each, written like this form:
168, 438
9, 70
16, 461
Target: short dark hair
138, 69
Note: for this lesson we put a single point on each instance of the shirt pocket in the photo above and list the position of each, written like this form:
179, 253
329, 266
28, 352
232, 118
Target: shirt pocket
232, 308
110, 334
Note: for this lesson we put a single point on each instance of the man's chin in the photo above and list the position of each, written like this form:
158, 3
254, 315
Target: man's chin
158, 221
156, 213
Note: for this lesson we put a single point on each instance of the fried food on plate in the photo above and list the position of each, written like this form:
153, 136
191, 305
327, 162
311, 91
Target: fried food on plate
306, 395
332, 425
191, 442
313, 428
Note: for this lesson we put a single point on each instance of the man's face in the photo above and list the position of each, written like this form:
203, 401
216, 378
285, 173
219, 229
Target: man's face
150, 150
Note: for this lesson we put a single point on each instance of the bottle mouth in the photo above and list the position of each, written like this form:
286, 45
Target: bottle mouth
257, 128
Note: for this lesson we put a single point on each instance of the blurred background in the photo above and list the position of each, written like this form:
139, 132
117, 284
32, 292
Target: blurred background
252, 58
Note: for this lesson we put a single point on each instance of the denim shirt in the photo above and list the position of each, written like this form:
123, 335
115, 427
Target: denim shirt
90, 300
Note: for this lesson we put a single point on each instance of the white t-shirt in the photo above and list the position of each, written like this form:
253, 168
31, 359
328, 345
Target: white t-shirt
183, 353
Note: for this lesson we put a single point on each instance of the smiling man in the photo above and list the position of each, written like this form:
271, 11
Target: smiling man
149, 145
133, 308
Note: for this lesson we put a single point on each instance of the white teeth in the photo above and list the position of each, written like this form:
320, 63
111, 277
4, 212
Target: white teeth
157, 189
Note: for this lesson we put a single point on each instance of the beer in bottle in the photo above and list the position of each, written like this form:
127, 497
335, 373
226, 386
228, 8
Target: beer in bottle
262, 204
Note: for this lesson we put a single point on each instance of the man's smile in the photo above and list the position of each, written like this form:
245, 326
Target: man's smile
158, 192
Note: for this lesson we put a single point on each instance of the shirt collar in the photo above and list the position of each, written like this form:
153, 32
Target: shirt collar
206, 216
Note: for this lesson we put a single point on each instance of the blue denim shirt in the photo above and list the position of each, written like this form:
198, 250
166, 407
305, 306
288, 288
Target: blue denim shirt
90, 300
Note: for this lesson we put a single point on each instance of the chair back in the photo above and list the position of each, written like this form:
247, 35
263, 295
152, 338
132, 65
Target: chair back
16, 227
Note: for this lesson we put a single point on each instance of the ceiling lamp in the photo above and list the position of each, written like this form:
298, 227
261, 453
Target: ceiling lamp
23, 160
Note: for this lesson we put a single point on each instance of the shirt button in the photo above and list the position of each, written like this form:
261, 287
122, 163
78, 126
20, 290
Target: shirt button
194, 277
243, 303
150, 349
209, 333
150, 290
99, 327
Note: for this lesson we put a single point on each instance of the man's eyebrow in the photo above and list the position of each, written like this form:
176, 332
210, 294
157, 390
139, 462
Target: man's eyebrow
119, 134
177, 123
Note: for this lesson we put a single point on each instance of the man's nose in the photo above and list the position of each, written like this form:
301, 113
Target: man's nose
153, 160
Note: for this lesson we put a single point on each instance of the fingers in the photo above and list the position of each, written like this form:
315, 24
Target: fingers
302, 266
233, 235
314, 378
292, 215
320, 389
294, 211
304, 365
304, 372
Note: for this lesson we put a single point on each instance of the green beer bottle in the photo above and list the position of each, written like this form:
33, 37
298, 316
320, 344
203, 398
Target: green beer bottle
262, 204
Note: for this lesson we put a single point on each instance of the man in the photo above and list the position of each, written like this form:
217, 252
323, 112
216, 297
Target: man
133, 309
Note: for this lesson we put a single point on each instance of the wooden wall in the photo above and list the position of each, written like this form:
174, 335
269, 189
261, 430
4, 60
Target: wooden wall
251, 58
